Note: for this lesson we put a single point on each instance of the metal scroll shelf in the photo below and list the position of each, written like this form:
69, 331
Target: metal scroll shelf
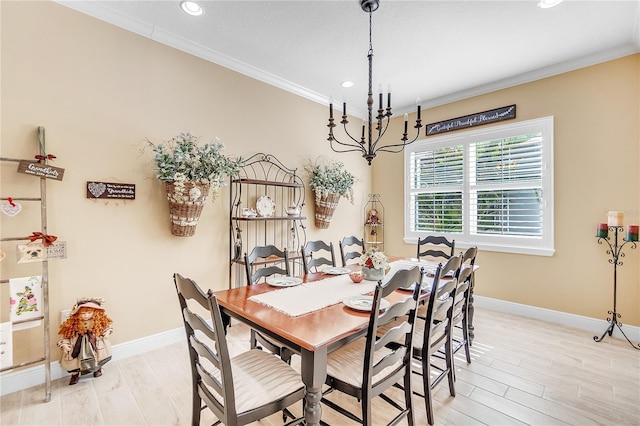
263, 175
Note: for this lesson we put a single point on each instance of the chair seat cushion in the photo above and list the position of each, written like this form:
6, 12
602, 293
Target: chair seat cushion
346, 364
260, 377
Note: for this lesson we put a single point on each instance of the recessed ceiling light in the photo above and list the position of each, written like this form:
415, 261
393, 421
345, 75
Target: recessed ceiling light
546, 4
346, 83
192, 8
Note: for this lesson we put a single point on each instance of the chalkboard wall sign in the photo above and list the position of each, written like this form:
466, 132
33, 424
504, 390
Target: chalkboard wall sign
125, 191
477, 119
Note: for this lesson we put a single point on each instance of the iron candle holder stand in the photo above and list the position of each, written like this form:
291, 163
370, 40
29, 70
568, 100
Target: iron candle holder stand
615, 251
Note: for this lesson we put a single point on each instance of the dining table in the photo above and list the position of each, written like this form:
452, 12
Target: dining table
296, 317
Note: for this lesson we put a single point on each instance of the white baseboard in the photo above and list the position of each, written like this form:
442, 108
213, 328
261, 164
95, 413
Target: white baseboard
14, 381
597, 326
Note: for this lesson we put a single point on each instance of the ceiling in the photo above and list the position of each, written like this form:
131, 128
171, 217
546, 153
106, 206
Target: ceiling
439, 51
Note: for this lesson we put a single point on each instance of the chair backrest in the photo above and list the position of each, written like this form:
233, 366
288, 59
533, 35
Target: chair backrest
275, 261
317, 253
211, 375
440, 306
377, 375
350, 248
462, 294
445, 251
469, 259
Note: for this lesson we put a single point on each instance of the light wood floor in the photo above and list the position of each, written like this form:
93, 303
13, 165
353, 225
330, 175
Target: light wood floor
523, 372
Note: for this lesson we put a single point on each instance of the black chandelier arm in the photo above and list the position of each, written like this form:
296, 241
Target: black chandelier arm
352, 147
344, 122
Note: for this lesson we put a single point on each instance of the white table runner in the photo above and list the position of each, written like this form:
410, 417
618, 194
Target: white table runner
316, 295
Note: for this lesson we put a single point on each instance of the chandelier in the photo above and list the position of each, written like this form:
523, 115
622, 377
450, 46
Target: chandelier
369, 143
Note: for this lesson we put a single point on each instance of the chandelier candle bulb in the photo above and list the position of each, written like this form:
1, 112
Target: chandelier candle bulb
632, 233
602, 231
615, 218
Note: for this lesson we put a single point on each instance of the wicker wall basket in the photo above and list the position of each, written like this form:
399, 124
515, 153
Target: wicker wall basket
185, 207
325, 208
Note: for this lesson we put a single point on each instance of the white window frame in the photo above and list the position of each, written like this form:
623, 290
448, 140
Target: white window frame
542, 245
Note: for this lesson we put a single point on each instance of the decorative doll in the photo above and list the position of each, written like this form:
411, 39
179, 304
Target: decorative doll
373, 218
85, 339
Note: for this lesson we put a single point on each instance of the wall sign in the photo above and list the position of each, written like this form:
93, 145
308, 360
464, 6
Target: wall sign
477, 119
37, 252
41, 170
125, 191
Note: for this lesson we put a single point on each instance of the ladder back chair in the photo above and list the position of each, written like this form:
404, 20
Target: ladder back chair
469, 259
317, 253
459, 314
444, 248
261, 263
368, 366
265, 261
240, 389
350, 248
434, 331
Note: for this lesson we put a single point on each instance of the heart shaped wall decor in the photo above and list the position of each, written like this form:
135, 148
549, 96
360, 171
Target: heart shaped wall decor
97, 189
11, 210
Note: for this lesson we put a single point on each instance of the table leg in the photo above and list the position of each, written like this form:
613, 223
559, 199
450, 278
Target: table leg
314, 374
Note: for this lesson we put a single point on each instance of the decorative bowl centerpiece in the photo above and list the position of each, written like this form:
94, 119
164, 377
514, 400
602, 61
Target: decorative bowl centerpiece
356, 276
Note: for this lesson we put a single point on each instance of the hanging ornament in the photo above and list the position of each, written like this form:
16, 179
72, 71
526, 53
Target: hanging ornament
11, 208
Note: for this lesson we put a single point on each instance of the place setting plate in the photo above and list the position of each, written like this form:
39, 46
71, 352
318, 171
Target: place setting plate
364, 303
284, 281
335, 271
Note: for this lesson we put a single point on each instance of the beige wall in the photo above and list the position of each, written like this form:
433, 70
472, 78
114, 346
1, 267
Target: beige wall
597, 141
99, 91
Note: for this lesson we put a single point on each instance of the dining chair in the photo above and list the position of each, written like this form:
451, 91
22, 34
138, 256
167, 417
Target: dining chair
265, 261
261, 263
434, 332
469, 259
368, 366
350, 248
317, 253
460, 318
240, 389
444, 248
459, 314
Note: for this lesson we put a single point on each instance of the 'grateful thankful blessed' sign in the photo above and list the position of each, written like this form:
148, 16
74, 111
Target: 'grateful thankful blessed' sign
471, 120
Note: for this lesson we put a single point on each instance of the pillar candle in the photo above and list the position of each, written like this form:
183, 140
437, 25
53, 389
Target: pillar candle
615, 218
632, 233
602, 231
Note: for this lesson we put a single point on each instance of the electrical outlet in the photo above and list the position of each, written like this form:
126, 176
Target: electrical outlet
64, 314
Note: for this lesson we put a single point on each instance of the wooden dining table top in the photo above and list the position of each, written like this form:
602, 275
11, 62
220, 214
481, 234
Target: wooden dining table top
311, 331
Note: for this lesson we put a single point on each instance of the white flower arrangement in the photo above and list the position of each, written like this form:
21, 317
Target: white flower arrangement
182, 160
375, 259
327, 176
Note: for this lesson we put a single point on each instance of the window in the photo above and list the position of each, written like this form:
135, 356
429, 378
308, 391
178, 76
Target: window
489, 187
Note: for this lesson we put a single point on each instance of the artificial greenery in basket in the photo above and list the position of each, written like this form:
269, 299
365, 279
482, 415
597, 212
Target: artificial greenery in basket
191, 173
329, 180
